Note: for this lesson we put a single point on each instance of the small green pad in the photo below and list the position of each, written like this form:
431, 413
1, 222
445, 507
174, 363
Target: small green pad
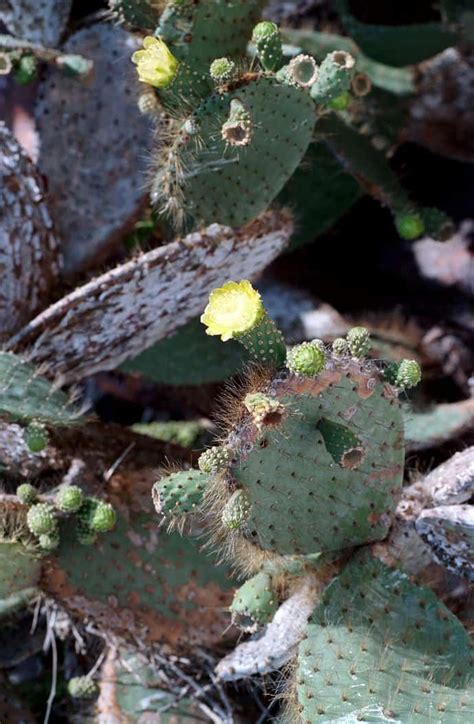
180, 493
254, 602
303, 500
233, 184
19, 568
379, 648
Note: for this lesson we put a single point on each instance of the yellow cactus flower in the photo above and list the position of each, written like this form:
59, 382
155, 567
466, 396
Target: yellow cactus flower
156, 65
233, 310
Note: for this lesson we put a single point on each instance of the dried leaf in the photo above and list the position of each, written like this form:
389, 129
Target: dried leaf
29, 260
122, 312
94, 144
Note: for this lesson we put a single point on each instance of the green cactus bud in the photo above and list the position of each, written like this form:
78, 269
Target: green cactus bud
306, 359
409, 225
26, 69
49, 541
26, 494
335, 75
340, 348
222, 70
341, 102
264, 409
179, 493
266, 36
214, 459
358, 340
438, 225
103, 518
41, 519
81, 687
69, 499
238, 129
302, 71
404, 374
35, 436
254, 603
236, 511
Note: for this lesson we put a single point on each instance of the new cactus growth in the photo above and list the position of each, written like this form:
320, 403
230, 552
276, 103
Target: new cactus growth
334, 77
254, 603
404, 374
82, 687
36, 436
69, 499
26, 494
42, 519
307, 359
214, 459
358, 341
180, 493
236, 511
266, 36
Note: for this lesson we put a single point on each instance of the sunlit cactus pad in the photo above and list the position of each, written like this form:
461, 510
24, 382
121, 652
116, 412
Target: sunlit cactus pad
379, 648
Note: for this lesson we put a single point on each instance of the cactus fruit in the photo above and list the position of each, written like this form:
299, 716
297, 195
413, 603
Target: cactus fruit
404, 374
334, 77
358, 341
26, 494
236, 511
41, 519
214, 459
307, 359
82, 687
408, 654
103, 518
36, 436
409, 225
266, 36
254, 602
340, 348
180, 493
69, 499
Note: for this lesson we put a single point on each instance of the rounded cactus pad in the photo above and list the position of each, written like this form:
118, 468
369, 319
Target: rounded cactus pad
236, 511
326, 475
180, 493
103, 518
69, 499
358, 341
379, 648
334, 77
231, 183
254, 603
41, 519
214, 459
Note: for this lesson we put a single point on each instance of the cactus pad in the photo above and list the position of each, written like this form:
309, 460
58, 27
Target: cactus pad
20, 569
226, 183
379, 648
180, 493
254, 602
328, 474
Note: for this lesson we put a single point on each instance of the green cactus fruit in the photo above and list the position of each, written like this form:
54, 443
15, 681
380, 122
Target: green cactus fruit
267, 39
49, 541
41, 519
265, 410
340, 348
438, 225
254, 603
404, 374
302, 70
180, 493
103, 518
69, 499
26, 69
26, 494
81, 687
307, 359
409, 224
214, 459
336, 455
334, 77
380, 648
36, 436
236, 511
25, 396
358, 341
222, 70
232, 176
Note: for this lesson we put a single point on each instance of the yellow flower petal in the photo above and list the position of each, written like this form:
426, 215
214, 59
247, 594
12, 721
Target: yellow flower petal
156, 65
233, 309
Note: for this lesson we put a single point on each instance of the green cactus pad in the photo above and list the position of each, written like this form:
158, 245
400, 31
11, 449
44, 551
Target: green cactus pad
139, 581
35, 436
334, 77
25, 396
103, 518
266, 36
20, 569
180, 493
379, 648
254, 603
214, 459
69, 499
404, 374
236, 511
234, 184
358, 340
41, 519
327, 476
